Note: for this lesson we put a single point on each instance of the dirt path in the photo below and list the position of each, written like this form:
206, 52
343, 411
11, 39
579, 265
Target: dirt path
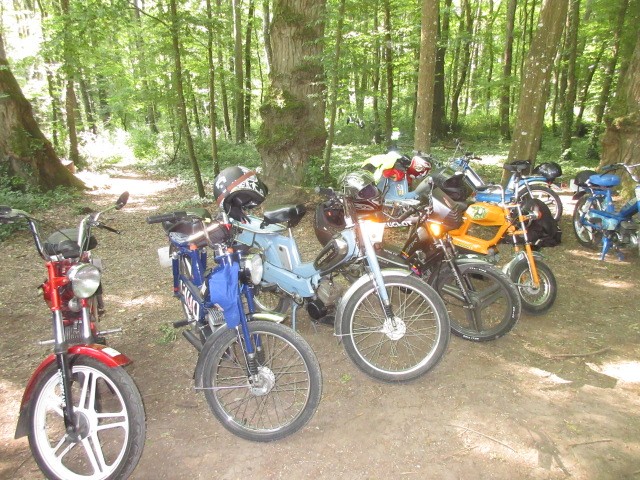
558, 397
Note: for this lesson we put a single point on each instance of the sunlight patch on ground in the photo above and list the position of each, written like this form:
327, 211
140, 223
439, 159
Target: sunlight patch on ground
136, 184
623, 371
613, 283
548, 376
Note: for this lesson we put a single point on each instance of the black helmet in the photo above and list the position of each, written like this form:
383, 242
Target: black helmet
236, 188
452, 183
360, 185
549, 170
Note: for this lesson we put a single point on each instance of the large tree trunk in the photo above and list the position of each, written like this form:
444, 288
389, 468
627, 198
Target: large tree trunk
24, 150
621, 142
537, 74
466, 26
292, 129
212, 91
426, 75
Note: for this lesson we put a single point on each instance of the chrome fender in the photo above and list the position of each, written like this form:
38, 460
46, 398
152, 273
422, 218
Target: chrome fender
106, 355
368, 277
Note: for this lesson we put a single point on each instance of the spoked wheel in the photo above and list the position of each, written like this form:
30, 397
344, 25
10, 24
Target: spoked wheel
276, 401
586, 235
550, 198
110, 423
535, 301
495, 304
399, 349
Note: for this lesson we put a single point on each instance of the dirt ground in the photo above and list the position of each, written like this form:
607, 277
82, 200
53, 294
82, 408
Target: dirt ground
557, 397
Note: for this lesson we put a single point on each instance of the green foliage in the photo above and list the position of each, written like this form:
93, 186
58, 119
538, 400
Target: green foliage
17, 194
168, 334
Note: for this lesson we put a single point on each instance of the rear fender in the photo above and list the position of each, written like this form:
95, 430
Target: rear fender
106, 355
352, 289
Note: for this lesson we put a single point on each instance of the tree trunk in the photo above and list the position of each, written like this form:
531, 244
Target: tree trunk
333, 98
292, 129
247, 71
71, 102
388, 62
266, 31
238, 73
439, 125
586, 85
570, 98
466, 26
426, 75
182, 104
535, 88
24, 150
212, 91
223, 81
621, 142
505, 105
377, 133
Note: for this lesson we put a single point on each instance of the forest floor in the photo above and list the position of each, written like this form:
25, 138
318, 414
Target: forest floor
558, 397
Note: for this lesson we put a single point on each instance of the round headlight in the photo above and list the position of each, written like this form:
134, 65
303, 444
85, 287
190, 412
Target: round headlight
85, 279
254, 267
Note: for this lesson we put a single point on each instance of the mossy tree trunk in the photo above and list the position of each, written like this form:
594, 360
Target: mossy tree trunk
537, 75
24, 150
293, 130
621, 141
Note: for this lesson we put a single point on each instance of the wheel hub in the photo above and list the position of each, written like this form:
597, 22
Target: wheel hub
263, 382
394, 332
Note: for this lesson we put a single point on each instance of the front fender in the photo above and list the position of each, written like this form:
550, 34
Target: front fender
337, 325
519, 257
106, 355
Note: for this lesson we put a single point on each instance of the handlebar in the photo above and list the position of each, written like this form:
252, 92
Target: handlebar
167, 217
628, 168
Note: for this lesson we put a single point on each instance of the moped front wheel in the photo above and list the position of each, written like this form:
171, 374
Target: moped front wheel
401, 348
110, 422
493, 308
586, 235
271, 398
535, 300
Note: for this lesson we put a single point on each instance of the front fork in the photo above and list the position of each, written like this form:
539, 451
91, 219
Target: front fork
62, 360
374, 266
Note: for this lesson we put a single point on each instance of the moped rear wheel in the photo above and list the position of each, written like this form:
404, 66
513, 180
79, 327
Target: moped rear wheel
282, 395
535, 301
550, 198
586, 235
495, 304
405, 348
110, 423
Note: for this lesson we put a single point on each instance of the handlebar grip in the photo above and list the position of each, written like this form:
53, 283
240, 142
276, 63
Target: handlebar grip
166, 217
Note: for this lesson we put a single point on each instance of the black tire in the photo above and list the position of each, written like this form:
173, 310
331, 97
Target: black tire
121, 445
550, 198
496, 304
535, 301
421, 342
586, 236
268, 412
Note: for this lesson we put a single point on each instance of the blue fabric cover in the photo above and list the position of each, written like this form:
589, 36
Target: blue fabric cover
224, 291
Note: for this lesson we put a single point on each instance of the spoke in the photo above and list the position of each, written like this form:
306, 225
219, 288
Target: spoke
95, 458
489, 295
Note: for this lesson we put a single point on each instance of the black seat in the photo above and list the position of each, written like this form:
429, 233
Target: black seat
288, 214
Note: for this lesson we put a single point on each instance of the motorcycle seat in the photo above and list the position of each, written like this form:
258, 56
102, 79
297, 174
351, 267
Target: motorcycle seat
606, 180
65, 243
287, 214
